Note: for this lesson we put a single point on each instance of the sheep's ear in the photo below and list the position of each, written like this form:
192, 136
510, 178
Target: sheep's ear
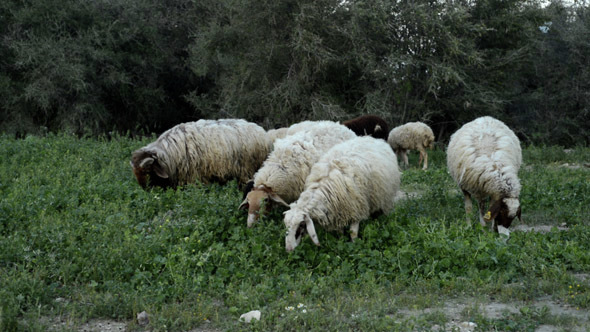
277, 199
245, 205
247, 188
311, 230
160, 171
493, 210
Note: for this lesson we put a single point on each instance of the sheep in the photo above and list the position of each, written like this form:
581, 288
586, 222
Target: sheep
411, 136
282, 176
205, 150
274, 134
355, 180
368, 125
484, 157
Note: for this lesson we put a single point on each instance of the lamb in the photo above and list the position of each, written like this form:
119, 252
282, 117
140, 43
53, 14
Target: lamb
368, 125
282, 176
206, 150
355, 180
412, 136
484, 157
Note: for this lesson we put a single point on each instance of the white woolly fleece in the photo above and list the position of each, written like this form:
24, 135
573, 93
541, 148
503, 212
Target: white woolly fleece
286, 168
484, 157
411, 136
211, 150
353, 180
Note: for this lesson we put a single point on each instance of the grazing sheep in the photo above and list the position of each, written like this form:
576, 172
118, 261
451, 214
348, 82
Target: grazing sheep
274, 134
206, 150
411, 136
368, 125
282, 176
484, 157
354, 180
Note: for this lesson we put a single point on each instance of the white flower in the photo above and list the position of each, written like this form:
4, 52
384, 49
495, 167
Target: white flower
300, 305
289, 308
304, 311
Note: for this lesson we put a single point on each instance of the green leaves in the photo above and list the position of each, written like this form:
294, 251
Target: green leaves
76, 225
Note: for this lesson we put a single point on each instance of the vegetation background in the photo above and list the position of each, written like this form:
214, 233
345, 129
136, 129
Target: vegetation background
142, 66
80, 240
95, 80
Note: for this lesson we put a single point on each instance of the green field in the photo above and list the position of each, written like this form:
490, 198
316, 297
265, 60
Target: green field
81, 241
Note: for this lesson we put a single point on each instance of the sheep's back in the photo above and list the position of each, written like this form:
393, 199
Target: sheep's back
484, 156
290, 162
215, 150
352, 181
411, 136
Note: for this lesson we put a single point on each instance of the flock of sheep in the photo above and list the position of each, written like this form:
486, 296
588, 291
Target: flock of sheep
331, 174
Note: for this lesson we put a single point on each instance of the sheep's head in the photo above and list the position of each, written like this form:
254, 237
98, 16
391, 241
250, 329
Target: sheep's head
257, 202
503, 211
147, 169
298, 224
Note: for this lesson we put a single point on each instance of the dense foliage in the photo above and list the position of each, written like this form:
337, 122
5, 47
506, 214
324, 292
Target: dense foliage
90, 67
80, 239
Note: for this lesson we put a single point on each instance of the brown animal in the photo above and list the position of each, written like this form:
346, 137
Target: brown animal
368, 125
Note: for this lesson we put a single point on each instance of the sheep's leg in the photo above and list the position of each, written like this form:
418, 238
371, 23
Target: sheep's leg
354, 231
405, 156
420, 159
423, 157
482, 211
468, 206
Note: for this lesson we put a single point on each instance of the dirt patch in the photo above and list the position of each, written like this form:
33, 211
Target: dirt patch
457, 311
537, 228
98, 325
574, 165
103, 326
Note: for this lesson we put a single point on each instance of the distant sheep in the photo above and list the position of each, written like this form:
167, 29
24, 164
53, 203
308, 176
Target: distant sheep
411, 136
368, 125
206, 150
484, 157
282, 176
354, 180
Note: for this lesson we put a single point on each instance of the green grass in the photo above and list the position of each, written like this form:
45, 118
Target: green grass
80, 239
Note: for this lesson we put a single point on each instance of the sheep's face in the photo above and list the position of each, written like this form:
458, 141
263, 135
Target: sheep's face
255, 202
148, 171
295, 223
259, 201
504, 211
298, 224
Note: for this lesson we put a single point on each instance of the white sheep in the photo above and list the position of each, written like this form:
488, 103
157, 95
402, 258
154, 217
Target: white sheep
274, 134
484, 157
411, 136
354, 180
282, 176
206, 150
